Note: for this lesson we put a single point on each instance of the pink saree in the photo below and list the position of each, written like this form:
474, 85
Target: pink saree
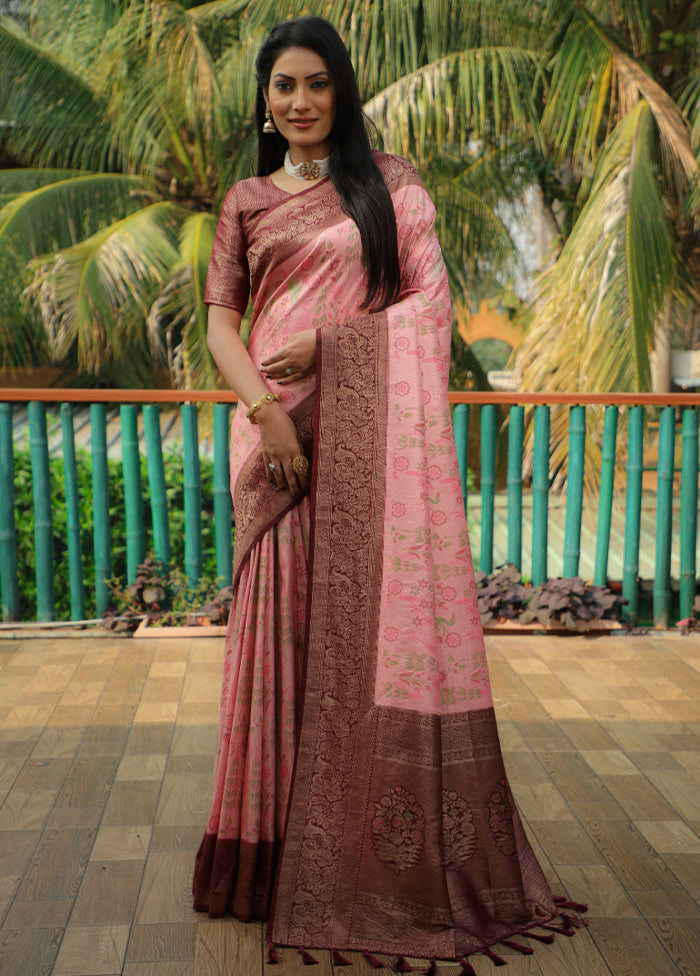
360, 791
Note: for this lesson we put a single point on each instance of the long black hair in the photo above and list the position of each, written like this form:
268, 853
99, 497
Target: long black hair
353, 169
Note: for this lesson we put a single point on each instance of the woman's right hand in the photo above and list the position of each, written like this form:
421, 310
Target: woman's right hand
279, 442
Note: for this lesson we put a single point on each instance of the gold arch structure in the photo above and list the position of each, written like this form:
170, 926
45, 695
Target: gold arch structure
487, 323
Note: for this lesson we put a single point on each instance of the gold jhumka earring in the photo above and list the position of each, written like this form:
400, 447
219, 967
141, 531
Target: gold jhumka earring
269, 125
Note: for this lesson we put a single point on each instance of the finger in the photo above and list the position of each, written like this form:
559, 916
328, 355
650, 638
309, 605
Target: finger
292, 480
274, 358
268, 471
281, 367
275, 473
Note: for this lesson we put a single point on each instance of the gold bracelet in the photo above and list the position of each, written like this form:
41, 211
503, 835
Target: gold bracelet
255, 406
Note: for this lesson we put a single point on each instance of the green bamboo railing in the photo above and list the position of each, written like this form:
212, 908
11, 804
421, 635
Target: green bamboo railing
672, 437
605, 496
70, 481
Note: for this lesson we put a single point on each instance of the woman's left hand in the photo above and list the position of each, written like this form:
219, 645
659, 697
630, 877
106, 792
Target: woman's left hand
295, 360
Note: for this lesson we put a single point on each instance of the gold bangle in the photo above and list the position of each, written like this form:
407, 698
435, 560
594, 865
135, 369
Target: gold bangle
256, 404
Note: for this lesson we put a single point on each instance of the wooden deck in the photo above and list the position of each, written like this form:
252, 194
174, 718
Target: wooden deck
106, 756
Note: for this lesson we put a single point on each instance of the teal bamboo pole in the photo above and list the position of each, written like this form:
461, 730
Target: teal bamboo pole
633, 514
516, 431
488, 484
100, 503
70, 485
156, 483
689, 513
43, 520
133, 492
574, 490
540, 495
664, 517
193, 494
605, 497
461, 432
9, 584
222, 494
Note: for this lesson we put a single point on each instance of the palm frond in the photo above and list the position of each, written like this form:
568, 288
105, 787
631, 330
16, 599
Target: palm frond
58, 214
178, 317
95, 297
599, 306
477, 93
471, 196
594, 84
56, 117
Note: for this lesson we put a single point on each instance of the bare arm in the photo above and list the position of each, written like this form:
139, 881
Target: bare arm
278, 435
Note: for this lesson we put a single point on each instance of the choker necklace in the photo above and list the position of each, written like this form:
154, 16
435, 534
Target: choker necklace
313, 170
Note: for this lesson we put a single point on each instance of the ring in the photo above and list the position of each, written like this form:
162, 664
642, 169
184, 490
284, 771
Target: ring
289, 370
273, 467
300, 465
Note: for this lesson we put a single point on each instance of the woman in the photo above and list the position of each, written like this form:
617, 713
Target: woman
360, 800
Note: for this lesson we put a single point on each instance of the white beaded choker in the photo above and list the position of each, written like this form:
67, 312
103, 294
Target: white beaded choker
313, 170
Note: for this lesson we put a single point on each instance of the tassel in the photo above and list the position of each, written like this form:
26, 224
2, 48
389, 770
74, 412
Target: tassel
306, 957
339, 960
496, 960
402, 966
467, 968
560, 929
575, 906
432, 971
273, 956
578, 923
547, 939
373, 961
526, 950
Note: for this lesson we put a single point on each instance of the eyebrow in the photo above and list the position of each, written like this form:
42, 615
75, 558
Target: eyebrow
281, 74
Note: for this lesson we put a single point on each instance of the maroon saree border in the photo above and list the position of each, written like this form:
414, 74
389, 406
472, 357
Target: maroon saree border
343, 618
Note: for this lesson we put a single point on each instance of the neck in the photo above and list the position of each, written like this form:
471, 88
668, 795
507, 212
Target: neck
299, 154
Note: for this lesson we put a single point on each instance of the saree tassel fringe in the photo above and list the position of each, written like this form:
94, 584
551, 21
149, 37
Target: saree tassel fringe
467, 968
306, 957
402, 966
273, 956
340, 960
560, 929
547, 939
578, 923
372, 960
575, 906
526, 950
494, 957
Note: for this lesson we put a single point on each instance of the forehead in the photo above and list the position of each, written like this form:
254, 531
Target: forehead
298, 62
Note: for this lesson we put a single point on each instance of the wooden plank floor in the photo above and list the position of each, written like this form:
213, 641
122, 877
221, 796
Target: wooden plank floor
106, 757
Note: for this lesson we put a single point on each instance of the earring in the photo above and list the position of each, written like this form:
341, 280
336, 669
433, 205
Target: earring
269, 126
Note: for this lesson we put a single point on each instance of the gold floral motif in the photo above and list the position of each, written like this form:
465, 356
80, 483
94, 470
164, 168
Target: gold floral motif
458, 830
398, 830
500, 820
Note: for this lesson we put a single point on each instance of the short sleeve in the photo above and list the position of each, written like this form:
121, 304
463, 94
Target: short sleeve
228, 277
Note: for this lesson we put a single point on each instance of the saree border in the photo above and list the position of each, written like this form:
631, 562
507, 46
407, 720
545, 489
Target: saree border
348, 515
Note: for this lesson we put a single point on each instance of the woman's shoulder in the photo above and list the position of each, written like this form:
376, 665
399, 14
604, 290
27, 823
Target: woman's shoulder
396, 170
253, 193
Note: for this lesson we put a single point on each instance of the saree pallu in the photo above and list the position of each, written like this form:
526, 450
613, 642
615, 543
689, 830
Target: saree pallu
396, 830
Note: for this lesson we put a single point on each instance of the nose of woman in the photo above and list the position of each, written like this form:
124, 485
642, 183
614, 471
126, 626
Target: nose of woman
301, 98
